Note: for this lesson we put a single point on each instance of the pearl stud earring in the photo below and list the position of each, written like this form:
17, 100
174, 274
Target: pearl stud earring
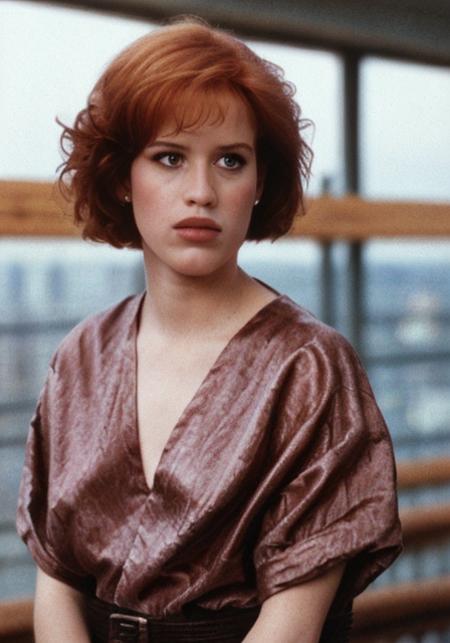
127, 198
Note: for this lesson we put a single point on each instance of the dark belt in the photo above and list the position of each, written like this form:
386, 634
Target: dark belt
108, 623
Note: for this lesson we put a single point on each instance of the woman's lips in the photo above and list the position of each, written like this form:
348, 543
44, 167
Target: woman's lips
197, 229
197, 234
198, 222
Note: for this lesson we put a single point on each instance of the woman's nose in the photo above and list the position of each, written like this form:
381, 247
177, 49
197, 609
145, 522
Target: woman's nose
199, 188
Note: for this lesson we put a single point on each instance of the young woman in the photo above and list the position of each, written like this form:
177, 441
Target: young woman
207, 461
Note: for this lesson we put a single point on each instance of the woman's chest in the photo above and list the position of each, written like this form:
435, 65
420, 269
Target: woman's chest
200, 420
203, 426
166, 384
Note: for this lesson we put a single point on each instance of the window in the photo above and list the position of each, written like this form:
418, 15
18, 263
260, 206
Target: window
405, 137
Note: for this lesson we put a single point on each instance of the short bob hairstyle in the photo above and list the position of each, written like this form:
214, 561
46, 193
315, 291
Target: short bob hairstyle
161, 76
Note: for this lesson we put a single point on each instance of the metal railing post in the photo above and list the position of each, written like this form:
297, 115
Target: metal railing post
355, 291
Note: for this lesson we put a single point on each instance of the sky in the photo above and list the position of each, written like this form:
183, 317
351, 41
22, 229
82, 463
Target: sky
51, 56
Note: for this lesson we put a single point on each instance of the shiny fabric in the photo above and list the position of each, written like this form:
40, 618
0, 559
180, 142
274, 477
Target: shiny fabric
279, 467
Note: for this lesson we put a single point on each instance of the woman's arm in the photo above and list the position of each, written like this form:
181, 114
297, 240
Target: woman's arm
58, 612
297, 614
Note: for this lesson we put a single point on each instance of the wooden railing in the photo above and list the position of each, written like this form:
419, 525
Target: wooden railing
16, 621
410, 608
422, 606
430, 523
37, 209
423, 473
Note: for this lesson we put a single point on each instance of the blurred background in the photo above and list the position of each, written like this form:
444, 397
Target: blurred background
371, 257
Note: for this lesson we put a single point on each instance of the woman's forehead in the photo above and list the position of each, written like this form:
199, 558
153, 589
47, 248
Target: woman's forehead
209, 109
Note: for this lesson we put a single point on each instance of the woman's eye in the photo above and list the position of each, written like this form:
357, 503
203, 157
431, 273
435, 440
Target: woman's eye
231, 161
170, 159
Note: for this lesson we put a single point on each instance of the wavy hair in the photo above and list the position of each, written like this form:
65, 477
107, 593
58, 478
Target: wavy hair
162, 75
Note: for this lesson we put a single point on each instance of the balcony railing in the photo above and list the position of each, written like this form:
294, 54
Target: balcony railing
37, 209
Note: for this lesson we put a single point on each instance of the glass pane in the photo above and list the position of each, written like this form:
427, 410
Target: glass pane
291, 267
416, 313
16, 568
405, 130
320, 101
50, 58
407, 336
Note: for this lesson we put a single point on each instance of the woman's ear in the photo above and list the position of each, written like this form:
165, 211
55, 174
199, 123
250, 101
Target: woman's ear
123, 192
260, 181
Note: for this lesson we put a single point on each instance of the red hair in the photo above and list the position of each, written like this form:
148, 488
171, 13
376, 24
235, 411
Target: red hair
162, 75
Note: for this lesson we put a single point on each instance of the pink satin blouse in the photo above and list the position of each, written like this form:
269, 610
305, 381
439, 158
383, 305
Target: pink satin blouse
279, 467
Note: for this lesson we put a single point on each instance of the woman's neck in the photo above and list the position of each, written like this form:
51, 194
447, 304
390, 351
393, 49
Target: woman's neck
212, 307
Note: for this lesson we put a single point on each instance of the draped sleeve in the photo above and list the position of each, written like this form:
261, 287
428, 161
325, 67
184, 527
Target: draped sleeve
37, 522
337, 501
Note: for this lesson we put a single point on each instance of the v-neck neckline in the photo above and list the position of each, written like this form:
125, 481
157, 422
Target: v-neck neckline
133, 361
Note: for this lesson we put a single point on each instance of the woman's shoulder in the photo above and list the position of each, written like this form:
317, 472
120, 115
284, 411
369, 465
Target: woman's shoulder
303, 343
302, 329
100, 333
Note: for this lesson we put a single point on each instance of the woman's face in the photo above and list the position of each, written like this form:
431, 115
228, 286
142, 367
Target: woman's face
193, 193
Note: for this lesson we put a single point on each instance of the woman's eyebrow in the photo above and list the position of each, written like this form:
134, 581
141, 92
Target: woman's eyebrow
233, 146
167, 144
178, 146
